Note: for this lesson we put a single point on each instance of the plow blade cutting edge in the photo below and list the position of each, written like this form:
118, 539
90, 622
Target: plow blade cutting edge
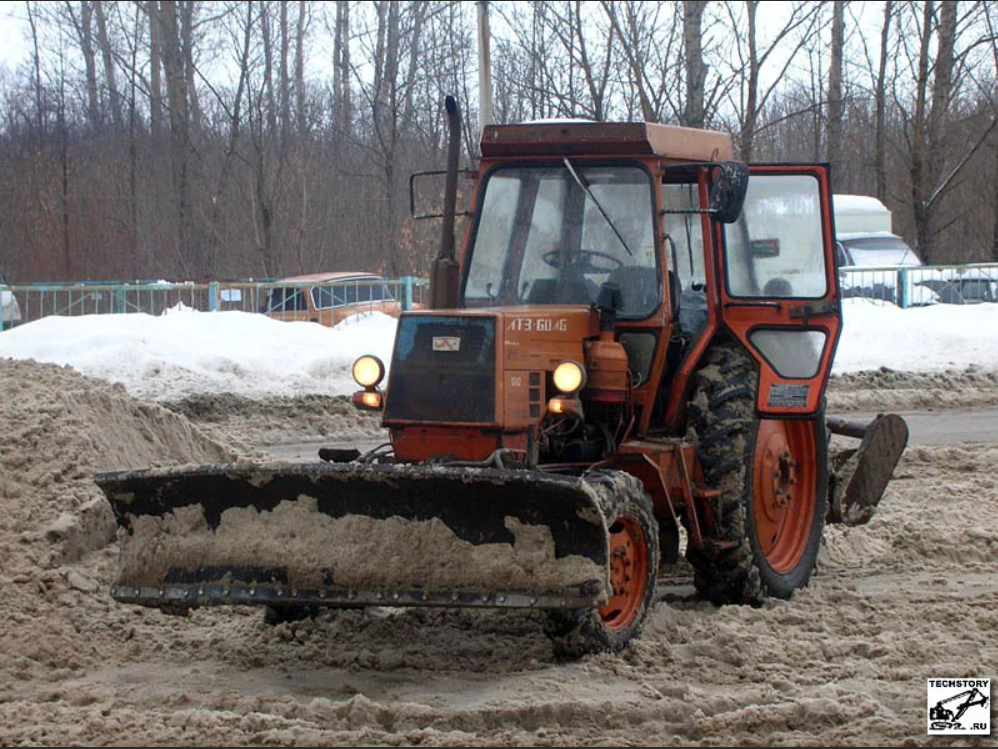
355, 534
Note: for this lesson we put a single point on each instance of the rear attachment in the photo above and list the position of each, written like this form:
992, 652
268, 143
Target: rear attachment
358, 534
860, 476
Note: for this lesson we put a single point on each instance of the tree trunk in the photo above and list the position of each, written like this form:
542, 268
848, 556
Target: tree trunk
179, 133
301, 116
880, 102
190, 72
114, 98
133, 156
994, 208
36, 62
936, 137
419, 14
268, 67
215, 236
696, 70
285, 82
919, 190
155, 69
834, 145
752, 95
84, 31
341, 69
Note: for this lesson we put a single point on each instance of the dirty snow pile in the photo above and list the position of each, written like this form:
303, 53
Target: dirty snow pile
910, 596
170, 357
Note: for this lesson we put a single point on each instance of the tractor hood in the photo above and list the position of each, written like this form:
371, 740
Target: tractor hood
486, 370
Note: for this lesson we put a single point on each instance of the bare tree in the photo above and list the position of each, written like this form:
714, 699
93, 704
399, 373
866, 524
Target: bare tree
114, 98
835, 109
155, 67
749, 61
301, 116
696, 69
880, 102
342, 115
83, 25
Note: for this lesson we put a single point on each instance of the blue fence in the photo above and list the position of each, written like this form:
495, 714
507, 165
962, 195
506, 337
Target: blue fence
27, 302
922, 285
906, 287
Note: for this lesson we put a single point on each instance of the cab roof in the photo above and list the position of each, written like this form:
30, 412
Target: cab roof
579, 137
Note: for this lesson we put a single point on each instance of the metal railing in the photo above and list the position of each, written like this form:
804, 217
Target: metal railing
922, 285
909, 286
28, 302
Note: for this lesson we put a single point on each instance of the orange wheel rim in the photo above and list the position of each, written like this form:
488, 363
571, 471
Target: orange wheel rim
784, 491
628, 574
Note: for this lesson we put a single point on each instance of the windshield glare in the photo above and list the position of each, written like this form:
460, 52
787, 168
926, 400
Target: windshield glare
542, 240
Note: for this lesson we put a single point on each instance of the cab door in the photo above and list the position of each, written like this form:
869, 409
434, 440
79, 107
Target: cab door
779, 288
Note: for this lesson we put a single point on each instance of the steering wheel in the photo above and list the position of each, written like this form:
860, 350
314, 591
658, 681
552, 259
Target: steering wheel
581, 261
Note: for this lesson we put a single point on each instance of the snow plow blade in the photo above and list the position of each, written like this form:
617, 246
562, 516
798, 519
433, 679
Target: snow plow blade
861, 475
356, 534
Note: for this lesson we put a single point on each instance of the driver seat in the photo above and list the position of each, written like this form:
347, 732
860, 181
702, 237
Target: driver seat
640, 288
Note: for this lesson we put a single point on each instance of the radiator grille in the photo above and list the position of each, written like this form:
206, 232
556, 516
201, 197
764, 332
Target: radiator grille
433, 379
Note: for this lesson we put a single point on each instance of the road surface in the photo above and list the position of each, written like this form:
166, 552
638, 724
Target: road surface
951, 426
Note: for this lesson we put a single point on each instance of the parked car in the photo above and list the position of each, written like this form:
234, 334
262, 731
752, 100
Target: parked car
330, 298
960, 285
873, 259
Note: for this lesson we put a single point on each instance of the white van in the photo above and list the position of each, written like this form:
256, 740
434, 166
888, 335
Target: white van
10, 310
863, 239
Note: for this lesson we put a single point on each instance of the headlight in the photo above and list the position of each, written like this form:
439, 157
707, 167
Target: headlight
368, 371
569, 377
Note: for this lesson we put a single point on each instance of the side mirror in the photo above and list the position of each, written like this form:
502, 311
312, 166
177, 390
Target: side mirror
727, 194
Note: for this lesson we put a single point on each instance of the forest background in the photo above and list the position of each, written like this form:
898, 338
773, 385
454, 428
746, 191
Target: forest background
191, 140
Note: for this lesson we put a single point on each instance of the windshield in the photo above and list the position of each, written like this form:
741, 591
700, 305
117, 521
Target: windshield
546, 236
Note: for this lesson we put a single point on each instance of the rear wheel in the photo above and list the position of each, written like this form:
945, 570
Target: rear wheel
773, 477
633, 563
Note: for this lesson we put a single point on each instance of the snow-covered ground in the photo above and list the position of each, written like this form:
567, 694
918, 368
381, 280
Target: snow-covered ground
187, 352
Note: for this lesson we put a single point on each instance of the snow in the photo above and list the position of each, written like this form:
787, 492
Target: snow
919, 339
187, 352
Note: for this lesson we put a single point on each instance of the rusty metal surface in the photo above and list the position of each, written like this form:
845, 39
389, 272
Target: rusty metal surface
606, 139
476, 505
862, 476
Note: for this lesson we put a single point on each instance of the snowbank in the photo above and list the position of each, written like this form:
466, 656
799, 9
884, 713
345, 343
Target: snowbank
187, 353
920, 339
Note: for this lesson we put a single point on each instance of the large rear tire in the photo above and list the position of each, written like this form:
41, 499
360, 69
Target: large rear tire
633, 561
773, 477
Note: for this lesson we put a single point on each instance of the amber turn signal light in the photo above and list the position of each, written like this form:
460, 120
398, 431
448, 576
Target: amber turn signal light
367, 400
564, 405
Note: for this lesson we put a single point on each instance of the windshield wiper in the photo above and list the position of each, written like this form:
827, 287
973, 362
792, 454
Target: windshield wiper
589, 194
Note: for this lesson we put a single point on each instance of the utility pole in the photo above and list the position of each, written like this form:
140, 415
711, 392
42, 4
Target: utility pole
485, 115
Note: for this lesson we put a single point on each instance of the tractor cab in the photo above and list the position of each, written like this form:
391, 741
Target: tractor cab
555, 233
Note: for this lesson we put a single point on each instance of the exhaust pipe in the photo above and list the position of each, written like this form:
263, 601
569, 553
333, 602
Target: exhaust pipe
444, 277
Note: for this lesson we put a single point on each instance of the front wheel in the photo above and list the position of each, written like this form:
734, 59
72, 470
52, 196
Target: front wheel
633, 566
773, 477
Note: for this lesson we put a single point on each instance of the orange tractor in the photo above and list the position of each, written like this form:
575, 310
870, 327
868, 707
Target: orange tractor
632, 346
